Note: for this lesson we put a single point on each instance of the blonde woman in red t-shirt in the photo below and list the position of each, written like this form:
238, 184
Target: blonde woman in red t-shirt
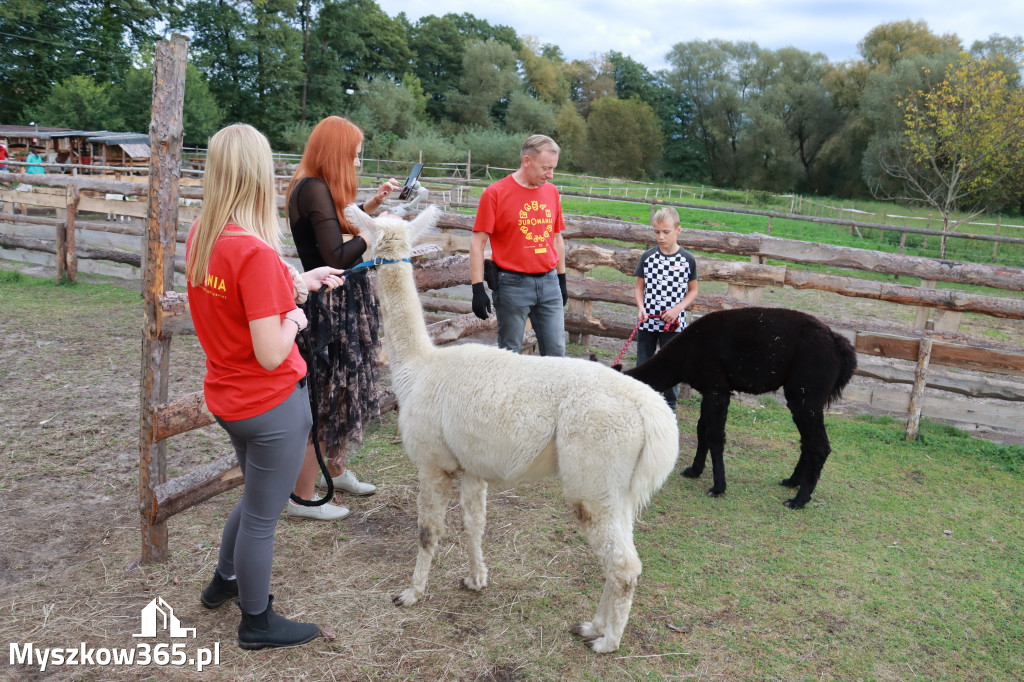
242, 301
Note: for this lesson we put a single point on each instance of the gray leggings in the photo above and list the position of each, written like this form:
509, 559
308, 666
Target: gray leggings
270, 448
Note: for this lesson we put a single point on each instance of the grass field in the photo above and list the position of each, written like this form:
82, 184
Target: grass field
821, 207
907, 565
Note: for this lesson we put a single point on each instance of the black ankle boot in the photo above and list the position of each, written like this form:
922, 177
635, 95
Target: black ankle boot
268, 629
218, 591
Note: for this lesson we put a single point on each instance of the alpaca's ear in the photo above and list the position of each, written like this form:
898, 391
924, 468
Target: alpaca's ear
358, 219
426, 220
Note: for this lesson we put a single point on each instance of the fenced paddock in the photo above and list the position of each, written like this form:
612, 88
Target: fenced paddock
932, 339
738, 586
904, 359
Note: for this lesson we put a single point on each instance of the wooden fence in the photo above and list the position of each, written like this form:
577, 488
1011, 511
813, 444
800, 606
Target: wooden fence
931, 343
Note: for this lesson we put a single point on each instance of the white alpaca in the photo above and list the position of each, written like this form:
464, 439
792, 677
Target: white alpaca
493, 416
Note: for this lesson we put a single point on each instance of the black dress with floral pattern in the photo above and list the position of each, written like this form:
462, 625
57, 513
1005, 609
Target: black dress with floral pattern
343, 324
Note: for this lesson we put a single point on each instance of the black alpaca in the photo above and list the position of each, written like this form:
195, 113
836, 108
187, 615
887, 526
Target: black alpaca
756, 350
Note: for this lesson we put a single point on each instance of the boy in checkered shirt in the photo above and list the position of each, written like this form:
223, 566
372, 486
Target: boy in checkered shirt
666, 284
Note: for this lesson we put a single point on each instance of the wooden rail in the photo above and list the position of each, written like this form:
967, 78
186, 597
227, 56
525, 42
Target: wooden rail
166, 311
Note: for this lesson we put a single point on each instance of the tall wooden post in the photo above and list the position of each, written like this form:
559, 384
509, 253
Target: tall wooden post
74, 196
924, 357
165, 134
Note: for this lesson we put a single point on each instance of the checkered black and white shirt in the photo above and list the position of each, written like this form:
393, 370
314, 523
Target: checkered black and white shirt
666, 281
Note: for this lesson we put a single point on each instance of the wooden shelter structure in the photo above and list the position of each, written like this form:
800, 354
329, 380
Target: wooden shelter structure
84, 147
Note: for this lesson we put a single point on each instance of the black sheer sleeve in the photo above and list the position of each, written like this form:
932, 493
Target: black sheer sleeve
317, 230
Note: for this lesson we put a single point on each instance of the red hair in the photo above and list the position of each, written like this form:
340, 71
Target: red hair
330, 155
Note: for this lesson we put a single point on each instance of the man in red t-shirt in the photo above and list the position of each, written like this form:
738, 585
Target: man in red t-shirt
521, 216
3, 157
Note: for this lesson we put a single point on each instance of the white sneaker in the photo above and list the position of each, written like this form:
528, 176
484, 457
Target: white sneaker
348, 483
325, 512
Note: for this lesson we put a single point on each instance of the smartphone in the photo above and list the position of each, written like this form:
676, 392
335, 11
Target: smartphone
410, 181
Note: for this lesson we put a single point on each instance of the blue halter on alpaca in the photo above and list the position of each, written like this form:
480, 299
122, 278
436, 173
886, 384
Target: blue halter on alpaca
378, 261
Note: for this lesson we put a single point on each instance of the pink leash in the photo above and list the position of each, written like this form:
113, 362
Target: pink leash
668, 327
628, 341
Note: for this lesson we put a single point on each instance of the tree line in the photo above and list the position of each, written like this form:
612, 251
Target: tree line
731, 114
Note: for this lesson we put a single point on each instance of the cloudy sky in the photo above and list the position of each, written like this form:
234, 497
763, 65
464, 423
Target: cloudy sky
647, 29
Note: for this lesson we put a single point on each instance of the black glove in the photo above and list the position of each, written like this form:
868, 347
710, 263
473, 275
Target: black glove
561, 287
481, 304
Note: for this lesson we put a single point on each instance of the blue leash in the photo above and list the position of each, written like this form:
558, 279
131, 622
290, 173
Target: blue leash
378, 261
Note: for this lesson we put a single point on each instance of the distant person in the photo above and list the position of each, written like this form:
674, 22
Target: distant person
3, 158
324, 183
521, 216
32, 169
666, 284
33, 159
241, 297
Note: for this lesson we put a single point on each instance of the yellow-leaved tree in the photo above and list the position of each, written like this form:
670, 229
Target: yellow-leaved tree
960, 142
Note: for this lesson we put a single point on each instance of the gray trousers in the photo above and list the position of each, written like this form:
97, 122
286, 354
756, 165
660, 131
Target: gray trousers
270, 448
536, 297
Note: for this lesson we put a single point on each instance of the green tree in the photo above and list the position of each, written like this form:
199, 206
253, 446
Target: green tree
387, 112
202, 115
545, 78
251, 55
790, 119
570, 134
960, 141
113, 30
682, 157
1005, 50
354, 41
491, 147
623, 139
589, 81
715, 76
887, 44
488, 78
528, 115
438, 45
37, 43
45, 42
864, 93
78, 102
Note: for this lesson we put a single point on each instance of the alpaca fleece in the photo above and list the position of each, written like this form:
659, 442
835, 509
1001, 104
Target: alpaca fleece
756, 350
487, 415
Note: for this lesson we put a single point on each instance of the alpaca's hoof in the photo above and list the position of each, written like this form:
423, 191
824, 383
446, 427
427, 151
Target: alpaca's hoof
475, 583
715, 492
690, 472
789, 482
602, 645
585, 630
794, 504
406, 598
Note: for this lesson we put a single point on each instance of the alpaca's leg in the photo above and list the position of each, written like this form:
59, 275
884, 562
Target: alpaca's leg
814, 450
435, 487
714, 410
700, 459
612, 541
474, 518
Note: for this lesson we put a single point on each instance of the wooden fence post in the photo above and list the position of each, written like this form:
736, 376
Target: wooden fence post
578, 307
995, 245
74, 196
165, 134
924, 356
61, 251
921, 318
